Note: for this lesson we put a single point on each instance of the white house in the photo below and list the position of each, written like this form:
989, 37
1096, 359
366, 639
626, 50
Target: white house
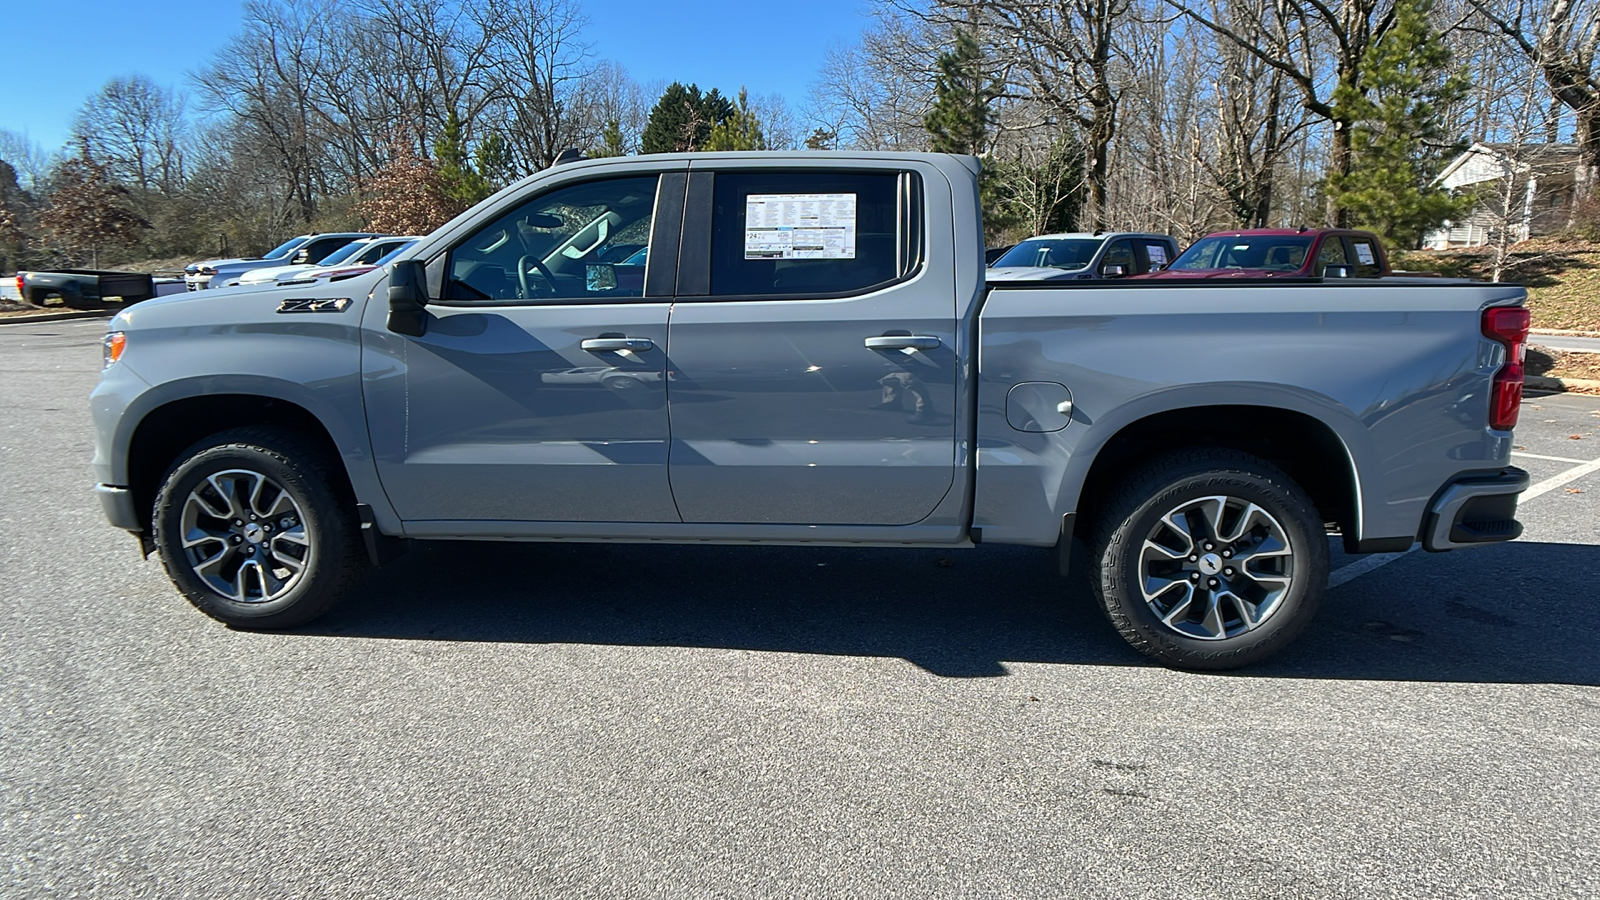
1527, 189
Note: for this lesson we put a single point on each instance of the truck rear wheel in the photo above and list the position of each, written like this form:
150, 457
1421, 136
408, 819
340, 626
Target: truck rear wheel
1209, 559
252, 532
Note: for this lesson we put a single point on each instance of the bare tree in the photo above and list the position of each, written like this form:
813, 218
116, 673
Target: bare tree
1560, 37
538, 66
1319, 48
135, 128
873, 95
1067, 49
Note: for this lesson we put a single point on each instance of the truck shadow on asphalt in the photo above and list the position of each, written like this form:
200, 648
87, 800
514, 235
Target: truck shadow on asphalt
1514, 613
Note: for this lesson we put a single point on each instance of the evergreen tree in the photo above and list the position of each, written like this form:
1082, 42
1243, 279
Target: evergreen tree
682, 119
1398, 141
460, 182
960, 118
822, 139
493, 157
741, 130
611, 143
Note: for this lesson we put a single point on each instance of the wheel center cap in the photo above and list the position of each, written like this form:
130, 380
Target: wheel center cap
253, 533
1210, 564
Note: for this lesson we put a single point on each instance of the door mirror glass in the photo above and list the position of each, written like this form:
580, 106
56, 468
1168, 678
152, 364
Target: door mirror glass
1336, 271
1113, 270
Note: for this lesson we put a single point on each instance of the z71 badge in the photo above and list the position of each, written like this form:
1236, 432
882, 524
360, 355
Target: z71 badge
315, 306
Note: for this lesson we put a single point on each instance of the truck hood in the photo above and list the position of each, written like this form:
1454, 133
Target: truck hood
1029, 273
1224, 273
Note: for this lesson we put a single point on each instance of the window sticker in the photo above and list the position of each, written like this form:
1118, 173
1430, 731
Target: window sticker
1364, 253
1157, 254
800, 226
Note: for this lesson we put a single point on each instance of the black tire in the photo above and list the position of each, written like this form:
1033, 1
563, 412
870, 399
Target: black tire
317, 514
1217, 634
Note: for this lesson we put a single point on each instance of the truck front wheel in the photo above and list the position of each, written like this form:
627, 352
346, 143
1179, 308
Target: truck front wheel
1209, 559
252, 532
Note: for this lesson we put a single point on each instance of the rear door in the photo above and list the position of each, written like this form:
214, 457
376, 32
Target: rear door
812, 348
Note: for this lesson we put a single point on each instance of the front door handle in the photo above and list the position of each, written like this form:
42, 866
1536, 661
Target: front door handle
903, 342
598, 345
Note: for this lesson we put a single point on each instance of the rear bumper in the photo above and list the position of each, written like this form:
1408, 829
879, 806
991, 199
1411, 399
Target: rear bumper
1475, 509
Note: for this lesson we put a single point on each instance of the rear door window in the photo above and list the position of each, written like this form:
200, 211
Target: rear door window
1156, 255
807, 233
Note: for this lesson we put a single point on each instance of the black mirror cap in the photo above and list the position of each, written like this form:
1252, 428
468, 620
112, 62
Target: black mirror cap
408, 298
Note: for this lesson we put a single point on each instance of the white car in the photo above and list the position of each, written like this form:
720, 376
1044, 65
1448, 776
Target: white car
359, 252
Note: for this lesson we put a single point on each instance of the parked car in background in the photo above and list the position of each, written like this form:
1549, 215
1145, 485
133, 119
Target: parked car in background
1055, 257
361, 251
90, 288
307, 248
1282, 253
346, 270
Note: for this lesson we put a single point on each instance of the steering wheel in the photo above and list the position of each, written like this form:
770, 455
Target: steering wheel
543, 270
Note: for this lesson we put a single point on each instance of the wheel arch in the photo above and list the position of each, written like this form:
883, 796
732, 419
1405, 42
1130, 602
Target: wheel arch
184, 413
1314, 441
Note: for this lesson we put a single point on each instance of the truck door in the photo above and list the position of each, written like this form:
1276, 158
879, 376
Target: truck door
814, 372
538, 391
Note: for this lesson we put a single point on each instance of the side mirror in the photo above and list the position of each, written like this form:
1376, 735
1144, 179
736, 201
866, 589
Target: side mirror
301, 256
1336, 271
1113, 270
408, 298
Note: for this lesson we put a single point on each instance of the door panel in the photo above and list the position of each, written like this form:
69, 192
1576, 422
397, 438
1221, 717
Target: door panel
500, 414
781, 413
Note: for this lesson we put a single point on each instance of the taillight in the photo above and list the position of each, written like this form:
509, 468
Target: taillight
22, 293
1507, 325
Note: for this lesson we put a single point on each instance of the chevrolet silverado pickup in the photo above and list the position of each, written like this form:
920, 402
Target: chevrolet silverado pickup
811, 355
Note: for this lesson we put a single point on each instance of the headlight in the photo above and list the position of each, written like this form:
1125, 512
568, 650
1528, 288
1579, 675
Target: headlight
111, 347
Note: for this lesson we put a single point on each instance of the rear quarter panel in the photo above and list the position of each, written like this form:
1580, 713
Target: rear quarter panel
1400, 372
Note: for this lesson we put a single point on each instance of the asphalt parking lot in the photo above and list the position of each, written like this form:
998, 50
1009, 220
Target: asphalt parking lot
532, 720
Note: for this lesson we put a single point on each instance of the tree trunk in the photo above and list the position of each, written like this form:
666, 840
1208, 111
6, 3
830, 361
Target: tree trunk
1339, 158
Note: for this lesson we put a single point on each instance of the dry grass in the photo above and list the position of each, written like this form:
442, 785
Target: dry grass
1562, 277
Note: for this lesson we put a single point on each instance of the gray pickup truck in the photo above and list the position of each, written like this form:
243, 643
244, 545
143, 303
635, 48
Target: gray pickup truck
808, 353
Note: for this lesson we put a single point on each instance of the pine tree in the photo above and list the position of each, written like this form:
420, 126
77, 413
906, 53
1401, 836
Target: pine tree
460, 182
739, 131
611, 143
682, 119
962, 90
493, 157
1398, 141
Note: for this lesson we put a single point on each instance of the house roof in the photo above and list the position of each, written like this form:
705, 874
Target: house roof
1524, 158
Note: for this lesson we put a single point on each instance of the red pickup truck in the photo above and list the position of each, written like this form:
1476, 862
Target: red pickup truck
1281, 253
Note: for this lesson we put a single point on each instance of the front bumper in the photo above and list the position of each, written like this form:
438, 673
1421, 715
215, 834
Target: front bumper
1474, 510
117, 502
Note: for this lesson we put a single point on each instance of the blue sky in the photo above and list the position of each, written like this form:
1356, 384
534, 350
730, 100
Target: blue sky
56, 54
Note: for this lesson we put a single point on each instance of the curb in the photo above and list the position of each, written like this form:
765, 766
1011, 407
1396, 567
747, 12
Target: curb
1558, 332
1546, 383
58, 317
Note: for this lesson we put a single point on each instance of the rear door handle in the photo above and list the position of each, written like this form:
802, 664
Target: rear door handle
903, 342
598, 345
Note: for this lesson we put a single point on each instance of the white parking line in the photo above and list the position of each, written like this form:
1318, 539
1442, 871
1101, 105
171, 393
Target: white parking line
1378, 560
1551, 458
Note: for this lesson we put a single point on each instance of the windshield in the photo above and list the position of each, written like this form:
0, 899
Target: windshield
343, 253
287, 247
1059, 253
387, 257
1270, 252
